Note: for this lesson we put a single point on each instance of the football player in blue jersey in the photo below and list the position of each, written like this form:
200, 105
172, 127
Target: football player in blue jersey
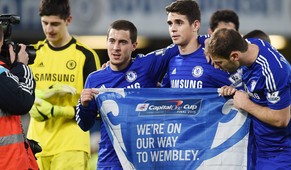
258, 34
267, 77
224, 18
190, 69
123, 71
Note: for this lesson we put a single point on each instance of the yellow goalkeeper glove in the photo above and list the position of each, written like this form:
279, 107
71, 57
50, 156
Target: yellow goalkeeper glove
56, 89
43, 110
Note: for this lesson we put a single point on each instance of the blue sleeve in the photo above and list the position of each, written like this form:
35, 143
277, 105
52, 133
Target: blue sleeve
280, 96
157, 61
166, 81
201, 38
86, 116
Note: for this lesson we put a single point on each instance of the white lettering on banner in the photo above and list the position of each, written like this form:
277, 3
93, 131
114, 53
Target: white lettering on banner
174, 128
148, 129
168, 155
144, 143
165, 142
142, 156
174, 155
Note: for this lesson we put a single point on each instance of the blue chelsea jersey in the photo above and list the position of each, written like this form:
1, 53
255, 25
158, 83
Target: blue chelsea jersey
268, 82
268, 79
193, 71
144, 71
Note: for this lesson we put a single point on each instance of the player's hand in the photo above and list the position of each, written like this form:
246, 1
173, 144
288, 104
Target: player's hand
227, 91
22, 54
87, 95
105, 65
241, 99
41, 110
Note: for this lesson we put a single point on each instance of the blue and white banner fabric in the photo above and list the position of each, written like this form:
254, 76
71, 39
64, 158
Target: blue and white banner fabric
163, 128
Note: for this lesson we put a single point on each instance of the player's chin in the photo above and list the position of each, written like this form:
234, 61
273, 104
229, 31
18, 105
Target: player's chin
175, 40
115, 62
51, 38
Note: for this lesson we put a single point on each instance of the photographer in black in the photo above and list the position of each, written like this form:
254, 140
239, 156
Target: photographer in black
16, 98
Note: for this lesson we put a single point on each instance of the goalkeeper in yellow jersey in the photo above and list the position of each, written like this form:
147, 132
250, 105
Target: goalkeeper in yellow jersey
60, 69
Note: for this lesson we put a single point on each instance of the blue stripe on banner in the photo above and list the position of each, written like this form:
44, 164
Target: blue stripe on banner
174, 128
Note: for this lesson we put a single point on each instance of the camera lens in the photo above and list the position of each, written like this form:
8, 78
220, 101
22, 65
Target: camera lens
31, 53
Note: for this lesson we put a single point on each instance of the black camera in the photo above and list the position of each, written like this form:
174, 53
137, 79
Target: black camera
5, 21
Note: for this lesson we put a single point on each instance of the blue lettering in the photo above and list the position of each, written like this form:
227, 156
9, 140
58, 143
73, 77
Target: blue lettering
137, 6
246, 7
11, 7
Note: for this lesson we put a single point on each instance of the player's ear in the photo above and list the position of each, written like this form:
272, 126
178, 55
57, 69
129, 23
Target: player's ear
209, 31
69, 20
196, 25
234, 55
134, 46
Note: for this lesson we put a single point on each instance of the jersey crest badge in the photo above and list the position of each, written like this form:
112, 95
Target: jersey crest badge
71, 64
197, 71
130, 76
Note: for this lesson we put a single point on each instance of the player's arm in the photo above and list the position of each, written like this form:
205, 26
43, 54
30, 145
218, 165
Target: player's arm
86, 109
166, 81
277, 118
158, 60
16, 97
17, 85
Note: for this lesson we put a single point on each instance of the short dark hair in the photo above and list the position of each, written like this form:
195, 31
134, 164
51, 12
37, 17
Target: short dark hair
124, 25
223, 41
59, 8
258, 34
189, 8
224, 15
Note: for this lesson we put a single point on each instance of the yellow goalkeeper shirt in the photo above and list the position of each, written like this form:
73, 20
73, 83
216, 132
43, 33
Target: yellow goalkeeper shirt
68, 65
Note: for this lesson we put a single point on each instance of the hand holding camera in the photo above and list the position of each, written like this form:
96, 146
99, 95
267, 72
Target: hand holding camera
19, 55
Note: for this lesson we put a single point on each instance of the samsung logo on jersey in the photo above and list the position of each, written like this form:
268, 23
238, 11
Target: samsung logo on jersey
55, 77
186, 84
